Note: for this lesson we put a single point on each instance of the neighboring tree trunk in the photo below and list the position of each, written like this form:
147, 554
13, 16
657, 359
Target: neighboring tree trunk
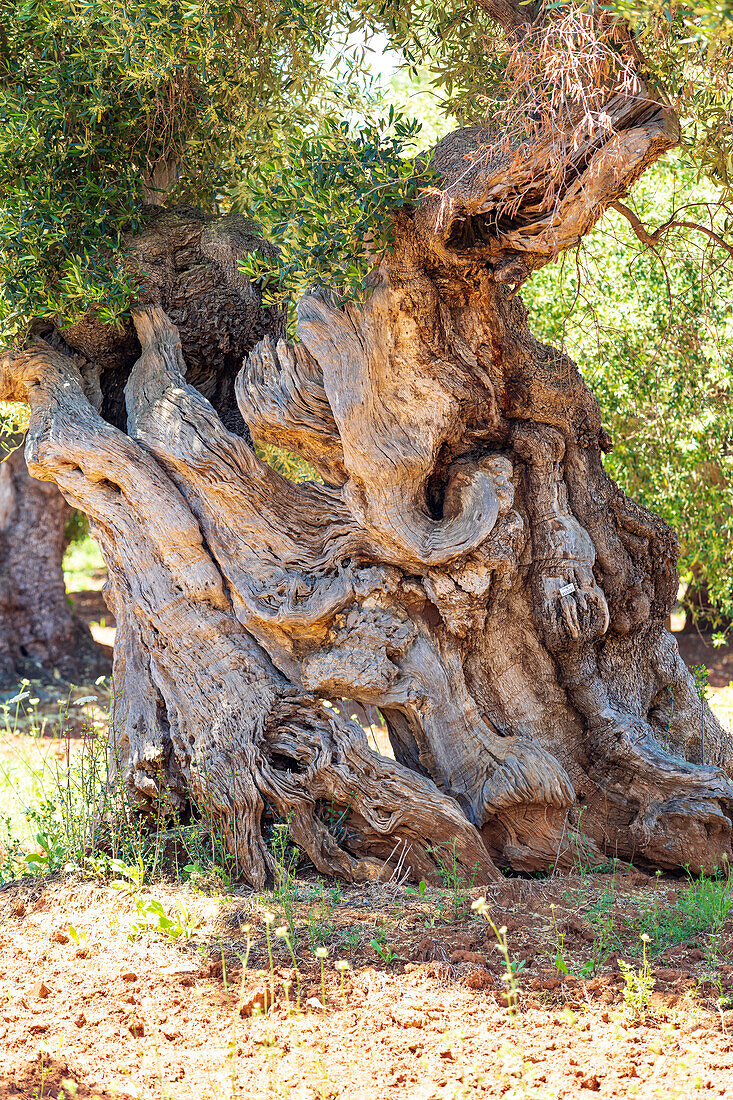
467, 566
701, 614
40, 636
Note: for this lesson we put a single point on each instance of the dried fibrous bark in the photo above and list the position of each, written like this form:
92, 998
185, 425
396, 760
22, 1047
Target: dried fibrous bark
39, 633
465, 565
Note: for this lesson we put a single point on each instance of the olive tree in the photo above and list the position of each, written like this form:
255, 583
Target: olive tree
461, 559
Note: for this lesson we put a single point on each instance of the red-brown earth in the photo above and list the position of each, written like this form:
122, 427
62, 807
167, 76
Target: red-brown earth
109, 1012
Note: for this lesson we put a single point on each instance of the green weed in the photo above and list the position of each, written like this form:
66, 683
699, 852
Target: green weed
71, 812
286, 858
601, 919
283, 934
455, 882
383, 949
351, 938
321, 954
559, 959
638, 984
702, 906
320, 926
80, 938
207, 877
152, 916
341, 965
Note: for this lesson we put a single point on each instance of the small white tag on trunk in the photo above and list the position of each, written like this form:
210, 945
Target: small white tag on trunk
567, 589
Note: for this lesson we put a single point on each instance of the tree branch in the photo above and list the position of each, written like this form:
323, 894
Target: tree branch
509, 14
281, 397
389, 446
651, 240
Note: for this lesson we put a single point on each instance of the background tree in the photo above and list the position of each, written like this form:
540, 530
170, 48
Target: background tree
465, 563
40, 636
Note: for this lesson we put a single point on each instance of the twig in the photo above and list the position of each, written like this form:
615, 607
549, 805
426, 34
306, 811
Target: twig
386, 862
559, 846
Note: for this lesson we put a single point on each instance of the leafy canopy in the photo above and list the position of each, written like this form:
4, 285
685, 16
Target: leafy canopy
323, 196
94, 94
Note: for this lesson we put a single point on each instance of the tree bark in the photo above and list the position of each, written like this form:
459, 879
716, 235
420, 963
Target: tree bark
40, 636
466, 566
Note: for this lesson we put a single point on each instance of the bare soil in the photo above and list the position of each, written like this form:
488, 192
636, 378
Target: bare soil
149, 1017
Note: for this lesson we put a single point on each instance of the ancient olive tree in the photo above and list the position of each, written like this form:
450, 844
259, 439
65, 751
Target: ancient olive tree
463, 563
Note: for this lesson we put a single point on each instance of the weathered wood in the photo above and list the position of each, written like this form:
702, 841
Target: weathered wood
467, 567
202, 710
282, 399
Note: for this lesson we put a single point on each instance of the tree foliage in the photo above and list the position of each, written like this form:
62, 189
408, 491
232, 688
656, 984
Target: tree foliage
689, 48
94, 94
327, 199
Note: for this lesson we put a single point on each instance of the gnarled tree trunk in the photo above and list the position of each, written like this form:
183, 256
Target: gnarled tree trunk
40, 636
466, 566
